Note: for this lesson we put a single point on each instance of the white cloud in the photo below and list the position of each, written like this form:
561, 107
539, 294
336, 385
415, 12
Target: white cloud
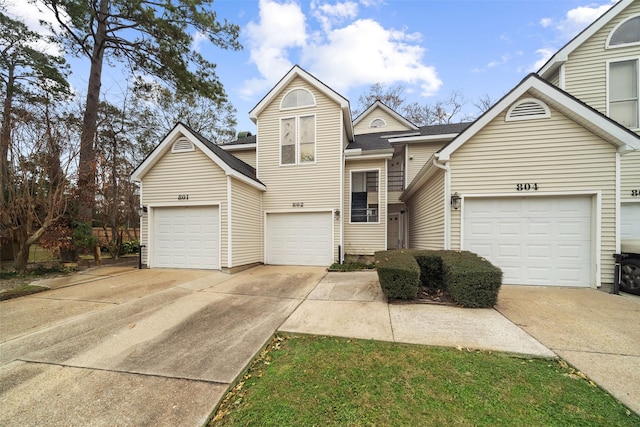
282, 26
576, 20
30, 14
544, 55
362, 52
197, 40
546, 22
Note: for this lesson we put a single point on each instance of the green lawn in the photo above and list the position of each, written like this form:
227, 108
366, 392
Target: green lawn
308, 380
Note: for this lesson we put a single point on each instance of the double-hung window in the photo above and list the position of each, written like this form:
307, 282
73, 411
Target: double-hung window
298, 140
623, 92
365, 196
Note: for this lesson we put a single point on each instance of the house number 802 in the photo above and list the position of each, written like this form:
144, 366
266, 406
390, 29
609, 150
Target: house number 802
183, 197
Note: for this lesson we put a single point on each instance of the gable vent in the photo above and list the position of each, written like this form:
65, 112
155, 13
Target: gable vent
182, 145
528, 109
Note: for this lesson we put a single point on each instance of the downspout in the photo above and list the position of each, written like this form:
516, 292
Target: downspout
447, 201
229, 226
341, 203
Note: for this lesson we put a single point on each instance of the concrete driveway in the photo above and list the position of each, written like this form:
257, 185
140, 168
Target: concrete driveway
118, 346
598, 333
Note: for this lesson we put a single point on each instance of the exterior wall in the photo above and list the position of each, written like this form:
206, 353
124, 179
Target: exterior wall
205, 184
426, 214
246, 219
365, 238
630, 177
417, 156
392, 124
586, 69
557, 154
315, 186
247, 156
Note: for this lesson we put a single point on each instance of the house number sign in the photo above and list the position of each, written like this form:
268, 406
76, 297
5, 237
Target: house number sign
526, 187
635, 193
297, 204
183, 197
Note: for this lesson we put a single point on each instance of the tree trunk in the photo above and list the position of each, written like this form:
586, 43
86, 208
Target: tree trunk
25, 242
5, 138
87, 166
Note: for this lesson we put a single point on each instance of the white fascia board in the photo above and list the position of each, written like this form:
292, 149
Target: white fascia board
423, 175
379, 154
388, 110
623, 139
563, 54
158, 152
238, 147
352, 152
424, 138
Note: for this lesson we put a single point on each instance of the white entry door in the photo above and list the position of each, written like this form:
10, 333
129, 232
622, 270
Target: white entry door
393, 231
534, 240
299, 238
186, 237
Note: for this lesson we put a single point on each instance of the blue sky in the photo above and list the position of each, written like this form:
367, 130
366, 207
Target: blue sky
431, 47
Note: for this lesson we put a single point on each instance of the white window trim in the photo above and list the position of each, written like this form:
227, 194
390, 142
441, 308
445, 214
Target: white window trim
297, 161
384, 123
182, 139
608, 101
546, 115
351, 172
301, 106
607, 44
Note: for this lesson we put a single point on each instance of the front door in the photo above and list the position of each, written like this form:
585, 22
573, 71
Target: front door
393, 231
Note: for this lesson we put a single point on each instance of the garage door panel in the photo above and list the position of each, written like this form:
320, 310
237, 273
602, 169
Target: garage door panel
187, 237
534, 240
299, 238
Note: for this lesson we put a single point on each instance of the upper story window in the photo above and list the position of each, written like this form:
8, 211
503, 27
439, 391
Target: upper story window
528, 109
377, 123
365, 200
298, 98
298, 140
626, 33
623, 81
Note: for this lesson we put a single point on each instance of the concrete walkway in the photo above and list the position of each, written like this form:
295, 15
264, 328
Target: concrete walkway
352, 305
116, 346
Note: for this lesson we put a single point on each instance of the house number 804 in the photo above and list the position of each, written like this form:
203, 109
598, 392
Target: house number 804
526, 187
183, 197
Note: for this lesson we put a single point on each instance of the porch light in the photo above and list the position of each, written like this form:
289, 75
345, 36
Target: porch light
336, 213
142, 210
455, 200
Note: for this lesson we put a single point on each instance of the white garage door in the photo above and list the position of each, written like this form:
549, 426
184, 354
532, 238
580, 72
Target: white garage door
299, 238
186, 237
630, 221
534, 240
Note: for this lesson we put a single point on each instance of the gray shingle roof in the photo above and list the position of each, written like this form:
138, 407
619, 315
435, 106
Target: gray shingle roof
231, 160
380, 140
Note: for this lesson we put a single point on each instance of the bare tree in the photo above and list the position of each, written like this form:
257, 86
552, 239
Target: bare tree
392, 96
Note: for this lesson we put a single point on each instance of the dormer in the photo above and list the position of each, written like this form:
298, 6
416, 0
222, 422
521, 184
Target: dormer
380, 118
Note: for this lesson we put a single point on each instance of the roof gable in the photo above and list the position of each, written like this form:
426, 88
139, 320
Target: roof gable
562, 55
370, 113
231, 165
533, 85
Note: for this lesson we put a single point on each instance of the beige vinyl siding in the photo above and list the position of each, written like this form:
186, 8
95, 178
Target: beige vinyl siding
417, 156
205, 183
630, 176
392, 123
557, 154
247, 156
315, 185
586, 69
246, 219
144, 237
365, 238
554, 78
426, 214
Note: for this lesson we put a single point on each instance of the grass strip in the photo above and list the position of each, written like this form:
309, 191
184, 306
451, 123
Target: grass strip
310, 380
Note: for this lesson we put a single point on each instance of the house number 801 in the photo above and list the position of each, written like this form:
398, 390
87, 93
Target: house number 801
183, 197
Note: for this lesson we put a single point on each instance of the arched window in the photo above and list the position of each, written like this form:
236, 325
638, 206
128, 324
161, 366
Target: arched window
377, 123
298, 98
528, 109
626, 33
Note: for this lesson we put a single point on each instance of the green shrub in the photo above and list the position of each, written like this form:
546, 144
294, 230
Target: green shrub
471, 281
399, 274
431, 269
129, 247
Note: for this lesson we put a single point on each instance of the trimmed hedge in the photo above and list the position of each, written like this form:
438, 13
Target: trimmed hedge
398, 273
470, 280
